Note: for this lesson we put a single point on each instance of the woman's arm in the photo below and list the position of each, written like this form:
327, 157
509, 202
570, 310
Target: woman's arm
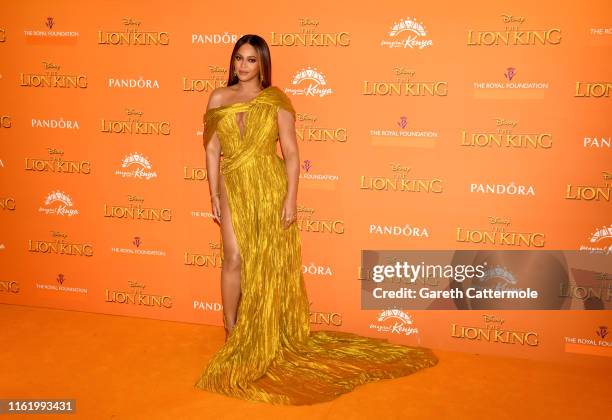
289, 147
213, 156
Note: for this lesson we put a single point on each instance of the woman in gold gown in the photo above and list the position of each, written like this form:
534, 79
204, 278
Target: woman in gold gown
270, 354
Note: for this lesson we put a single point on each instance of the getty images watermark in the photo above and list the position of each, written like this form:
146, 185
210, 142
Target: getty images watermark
485, 279
459, 273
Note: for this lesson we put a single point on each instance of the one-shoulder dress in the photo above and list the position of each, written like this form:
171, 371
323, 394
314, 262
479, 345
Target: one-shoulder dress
271, 355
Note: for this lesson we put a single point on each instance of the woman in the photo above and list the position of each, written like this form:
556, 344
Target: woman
270, 354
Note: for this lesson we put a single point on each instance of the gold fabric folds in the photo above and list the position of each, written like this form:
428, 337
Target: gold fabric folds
271, 355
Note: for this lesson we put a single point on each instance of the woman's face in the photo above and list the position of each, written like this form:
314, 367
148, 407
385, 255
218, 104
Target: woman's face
246, 63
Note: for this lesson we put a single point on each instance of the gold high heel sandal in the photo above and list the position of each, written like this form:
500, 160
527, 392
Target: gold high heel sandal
225, 322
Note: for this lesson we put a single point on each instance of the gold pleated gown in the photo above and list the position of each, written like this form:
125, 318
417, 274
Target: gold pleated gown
271, 354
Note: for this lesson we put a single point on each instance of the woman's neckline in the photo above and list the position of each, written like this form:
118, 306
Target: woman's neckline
244, 102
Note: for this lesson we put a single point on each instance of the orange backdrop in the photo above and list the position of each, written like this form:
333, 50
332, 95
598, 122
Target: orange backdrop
492, 113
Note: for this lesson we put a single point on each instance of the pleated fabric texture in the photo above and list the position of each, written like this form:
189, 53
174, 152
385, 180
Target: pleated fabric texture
271, 355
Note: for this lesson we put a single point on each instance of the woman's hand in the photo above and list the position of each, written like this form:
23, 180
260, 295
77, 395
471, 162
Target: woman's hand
289, 212
215, 204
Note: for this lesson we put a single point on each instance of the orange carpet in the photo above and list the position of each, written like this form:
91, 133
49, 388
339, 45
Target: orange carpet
130, 368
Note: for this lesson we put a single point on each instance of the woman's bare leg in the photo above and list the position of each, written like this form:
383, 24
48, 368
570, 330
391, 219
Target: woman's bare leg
230, 272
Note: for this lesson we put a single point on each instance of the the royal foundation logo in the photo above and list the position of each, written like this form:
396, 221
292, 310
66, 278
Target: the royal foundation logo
325, 318
593, 89
402, 132
514, 32
315, 179
133, 35
210, 259
136, 210
135, 125
309, 82
138, 246
137, 166
59, 244
510, 85
56, 163
5, 121
494, 331
405, 84
600, 32
59, 286
407, 33
394, 321
590, 192
401, 180
503, 135
138, 296
500, 233
52, 78
8, 203
202, 213
58, 203
217, 78
596, 343
51, 34
307, 222
308, 36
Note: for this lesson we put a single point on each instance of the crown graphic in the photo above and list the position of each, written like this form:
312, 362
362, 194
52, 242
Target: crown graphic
136, 158
501, 272
604, 232
58, 196
408, 24
395, 313
309, 74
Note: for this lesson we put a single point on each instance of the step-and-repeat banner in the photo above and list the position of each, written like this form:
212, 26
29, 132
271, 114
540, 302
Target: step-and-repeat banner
424, 126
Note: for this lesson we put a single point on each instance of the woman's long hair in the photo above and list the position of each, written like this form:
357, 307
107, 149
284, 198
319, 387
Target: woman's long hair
265, 61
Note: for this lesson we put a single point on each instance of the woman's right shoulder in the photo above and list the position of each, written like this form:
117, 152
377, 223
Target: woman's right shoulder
217, 97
